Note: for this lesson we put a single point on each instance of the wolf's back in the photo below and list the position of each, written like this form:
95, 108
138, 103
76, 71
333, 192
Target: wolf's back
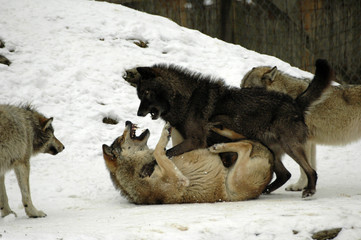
320, 82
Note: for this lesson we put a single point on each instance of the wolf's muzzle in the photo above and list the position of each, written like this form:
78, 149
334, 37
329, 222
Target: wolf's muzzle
141, 113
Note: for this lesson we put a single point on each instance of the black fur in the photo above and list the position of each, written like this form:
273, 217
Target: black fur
192, 103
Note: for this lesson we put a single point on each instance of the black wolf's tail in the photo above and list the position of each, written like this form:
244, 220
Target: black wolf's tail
320, 82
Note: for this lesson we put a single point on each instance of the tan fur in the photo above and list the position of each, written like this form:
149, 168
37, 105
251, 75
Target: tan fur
193, 177
24, 132
335, 120
228, 133
176, 137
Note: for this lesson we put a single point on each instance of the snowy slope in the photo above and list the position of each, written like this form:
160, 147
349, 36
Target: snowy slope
69, 58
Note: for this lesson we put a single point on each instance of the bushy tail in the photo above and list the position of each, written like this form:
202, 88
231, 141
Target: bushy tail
320, 82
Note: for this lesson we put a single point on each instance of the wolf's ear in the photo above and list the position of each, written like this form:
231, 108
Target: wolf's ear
109, 158
146, 72
45, 123
270, 75
107, 150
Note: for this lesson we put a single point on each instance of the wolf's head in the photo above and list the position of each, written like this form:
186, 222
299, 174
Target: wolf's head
259, 77
44, 139
152, 93
126, 143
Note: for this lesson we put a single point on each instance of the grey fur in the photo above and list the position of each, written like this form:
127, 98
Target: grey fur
192, 103
24, 132
335, 120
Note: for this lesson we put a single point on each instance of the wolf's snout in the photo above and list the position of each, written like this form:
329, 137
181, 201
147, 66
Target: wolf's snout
141, 113
57, 147
62, 148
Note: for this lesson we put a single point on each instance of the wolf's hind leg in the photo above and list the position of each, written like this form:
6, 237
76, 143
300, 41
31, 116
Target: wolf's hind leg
249, 176
299, 155
237, 147
22, 174
310, 149
300, 184
282, 176
4, 204
167, 167
228, 133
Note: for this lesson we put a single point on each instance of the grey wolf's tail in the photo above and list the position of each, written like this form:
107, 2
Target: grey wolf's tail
320, 82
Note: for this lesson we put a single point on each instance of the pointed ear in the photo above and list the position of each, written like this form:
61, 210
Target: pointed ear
45, 123
270, 75
146, 72
110, 160
107, 150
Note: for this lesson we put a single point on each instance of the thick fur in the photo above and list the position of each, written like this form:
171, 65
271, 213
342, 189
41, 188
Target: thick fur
23, 132
336, 120
194, 177
192, 103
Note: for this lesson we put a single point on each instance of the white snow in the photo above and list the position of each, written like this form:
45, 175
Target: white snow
68, 59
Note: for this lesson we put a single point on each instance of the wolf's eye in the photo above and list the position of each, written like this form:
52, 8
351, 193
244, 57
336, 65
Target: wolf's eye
121, 140
146, 92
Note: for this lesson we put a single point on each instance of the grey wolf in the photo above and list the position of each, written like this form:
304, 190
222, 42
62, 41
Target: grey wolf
24, 132
336, 120
146, 176
192, 103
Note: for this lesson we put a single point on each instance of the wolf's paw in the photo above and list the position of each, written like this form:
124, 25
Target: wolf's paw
308, 193
299, 186
7, 211
266, 191
167, 129
33, 213
216, 148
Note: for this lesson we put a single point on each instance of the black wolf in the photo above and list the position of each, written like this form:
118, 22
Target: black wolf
193, 103
336, 120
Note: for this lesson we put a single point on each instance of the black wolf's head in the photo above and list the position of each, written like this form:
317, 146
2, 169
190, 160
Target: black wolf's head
153, 93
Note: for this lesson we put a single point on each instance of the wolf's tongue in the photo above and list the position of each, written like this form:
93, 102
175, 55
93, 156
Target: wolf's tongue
133, 129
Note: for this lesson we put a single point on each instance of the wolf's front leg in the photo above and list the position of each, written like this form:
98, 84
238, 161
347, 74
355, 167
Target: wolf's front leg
168, 169
4, 204
22, 174
164, 137
194, 138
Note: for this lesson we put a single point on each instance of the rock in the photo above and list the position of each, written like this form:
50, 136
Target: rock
4, 60
108, 120
326, 234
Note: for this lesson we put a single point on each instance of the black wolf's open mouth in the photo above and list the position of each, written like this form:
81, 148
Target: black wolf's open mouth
154, 112
133, 129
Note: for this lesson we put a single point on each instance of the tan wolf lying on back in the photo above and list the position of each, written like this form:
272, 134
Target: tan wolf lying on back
146, 176
23, 132
336, 120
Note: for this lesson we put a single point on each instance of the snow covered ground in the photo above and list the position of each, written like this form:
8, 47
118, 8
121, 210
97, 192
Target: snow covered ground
68, 59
